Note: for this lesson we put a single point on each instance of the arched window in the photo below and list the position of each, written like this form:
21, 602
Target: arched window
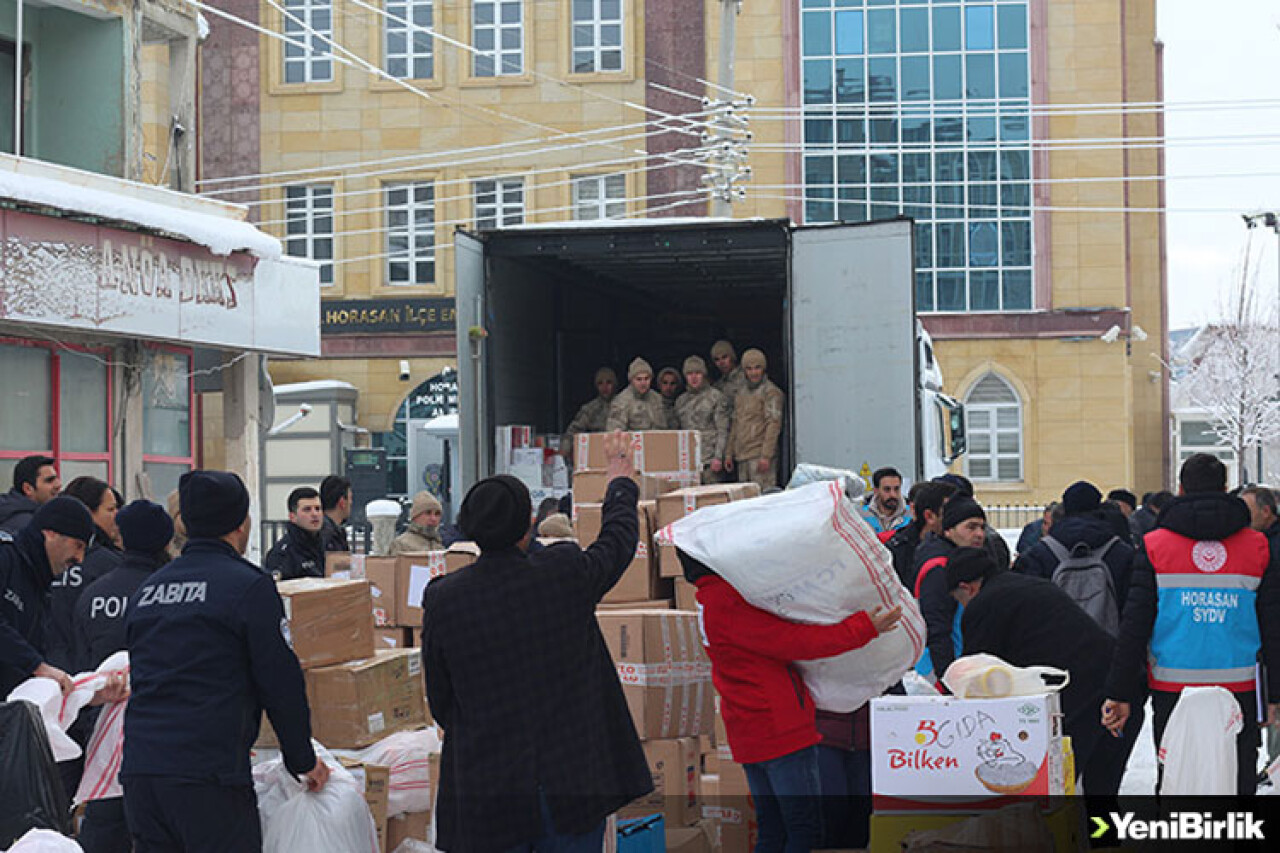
994, 430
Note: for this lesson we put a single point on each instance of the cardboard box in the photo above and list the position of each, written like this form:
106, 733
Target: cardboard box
412, 825
330, 621
590, 485
380, 572
972, 752
460, 555
337, 564
506, 439
655, 604
673, 765
691, 839
400, 582
375, 780
358, 703
653, 452
731, 817
392, 638
1067, 825
686, 593
640, 581
665, 674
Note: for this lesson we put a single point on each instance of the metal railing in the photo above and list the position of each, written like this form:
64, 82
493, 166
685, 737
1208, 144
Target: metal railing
1012, 516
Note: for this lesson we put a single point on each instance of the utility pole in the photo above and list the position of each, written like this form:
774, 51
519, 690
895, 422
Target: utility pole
727, 155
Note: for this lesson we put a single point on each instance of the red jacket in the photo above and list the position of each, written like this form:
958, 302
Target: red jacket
767, 710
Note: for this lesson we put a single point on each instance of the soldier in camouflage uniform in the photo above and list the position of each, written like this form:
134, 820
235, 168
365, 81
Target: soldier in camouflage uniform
705, 409
757, 425
638, 407
731, 378
669, 390
593, 416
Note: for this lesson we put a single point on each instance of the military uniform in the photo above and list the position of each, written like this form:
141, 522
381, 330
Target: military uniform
592, 417
706, 411
732, 385
297, 554
669, 405
630, 411
416, 538
757, 425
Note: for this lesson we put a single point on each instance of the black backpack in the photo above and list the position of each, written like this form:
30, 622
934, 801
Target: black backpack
1083, 574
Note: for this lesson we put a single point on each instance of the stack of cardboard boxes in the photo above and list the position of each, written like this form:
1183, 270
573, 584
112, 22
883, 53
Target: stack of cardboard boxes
396, 585
533, 460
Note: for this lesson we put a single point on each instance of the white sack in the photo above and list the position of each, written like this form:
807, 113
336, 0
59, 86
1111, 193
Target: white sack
58, 711
335, 819
103, 755
406, 754
984, 676
807, 556
806, 474
1199, 745
45, 841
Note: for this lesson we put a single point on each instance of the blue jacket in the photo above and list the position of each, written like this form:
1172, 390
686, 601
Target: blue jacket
209, 650
64, 593
99, 616
24, 581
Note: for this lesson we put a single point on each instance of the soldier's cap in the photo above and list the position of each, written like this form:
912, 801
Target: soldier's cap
638, 367
664, 371
212, 503
422, 502
695, 364
754, 358
606, 373
722, 348
556, 526
67, 516
145, 527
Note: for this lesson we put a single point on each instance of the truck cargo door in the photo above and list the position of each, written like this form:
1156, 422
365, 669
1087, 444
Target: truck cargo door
854, 400
473, 415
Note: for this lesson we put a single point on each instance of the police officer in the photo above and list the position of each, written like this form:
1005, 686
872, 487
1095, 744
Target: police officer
52, 542
638, 407
335, 498
209, 650
146, 529
102, 556
299, 553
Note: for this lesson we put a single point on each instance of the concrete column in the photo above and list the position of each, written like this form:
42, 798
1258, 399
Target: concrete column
243, 430
128, 413
182, 88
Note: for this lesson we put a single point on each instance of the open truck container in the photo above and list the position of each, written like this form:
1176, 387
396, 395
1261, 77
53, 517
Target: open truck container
541, 307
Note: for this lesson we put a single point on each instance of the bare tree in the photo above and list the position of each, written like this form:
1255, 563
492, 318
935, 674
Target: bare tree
1232, 371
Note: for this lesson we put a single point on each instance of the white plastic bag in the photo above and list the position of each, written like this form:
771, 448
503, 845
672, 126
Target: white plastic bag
407, 755
45, 841
58, 711
335, 819
805, 555
1198, 750
984, 676
806, 474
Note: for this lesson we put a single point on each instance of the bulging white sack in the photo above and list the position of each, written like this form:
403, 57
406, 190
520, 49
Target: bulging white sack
335, 819
807, 556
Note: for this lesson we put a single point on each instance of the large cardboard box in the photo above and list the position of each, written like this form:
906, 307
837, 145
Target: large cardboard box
665, 673
686, 594
400, 582
655, 604
460, 555
414, 825
375, 780
653, 452
972, 752
731, 816
640, 581
692, 839
675, 505
673, 765
590, 485
328, 620
338, 564
392, 638
1067, 824
358, 703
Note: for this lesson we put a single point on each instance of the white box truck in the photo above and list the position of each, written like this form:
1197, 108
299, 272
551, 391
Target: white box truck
540, 307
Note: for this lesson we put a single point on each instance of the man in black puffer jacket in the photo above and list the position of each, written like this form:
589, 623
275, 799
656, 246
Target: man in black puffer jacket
1083, 526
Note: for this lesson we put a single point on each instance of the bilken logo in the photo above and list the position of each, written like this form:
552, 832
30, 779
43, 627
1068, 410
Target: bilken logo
1181, 826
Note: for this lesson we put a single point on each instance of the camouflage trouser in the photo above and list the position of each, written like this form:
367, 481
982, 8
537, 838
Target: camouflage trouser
748, 472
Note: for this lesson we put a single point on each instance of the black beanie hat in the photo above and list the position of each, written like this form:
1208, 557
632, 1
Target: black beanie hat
67, 516
145, 527
496, 513
966, 565
1081, 497
960, 509
212, 503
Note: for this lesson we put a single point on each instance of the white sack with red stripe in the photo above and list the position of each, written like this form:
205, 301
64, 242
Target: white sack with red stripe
407, 755
807, 556
102, 757
59, 711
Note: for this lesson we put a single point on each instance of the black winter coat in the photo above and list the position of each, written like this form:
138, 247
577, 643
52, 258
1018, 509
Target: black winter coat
1203, 516
297, 554
1092, 532
16, 510
24, 579
936, 604
334, 536
1029, 621
99, 615
902, 545
519, 677
102, 558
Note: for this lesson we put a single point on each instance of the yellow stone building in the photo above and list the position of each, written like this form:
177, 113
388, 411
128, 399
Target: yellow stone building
364, 142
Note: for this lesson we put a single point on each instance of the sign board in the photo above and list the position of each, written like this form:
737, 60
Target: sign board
435, 397
65, 274
381, 316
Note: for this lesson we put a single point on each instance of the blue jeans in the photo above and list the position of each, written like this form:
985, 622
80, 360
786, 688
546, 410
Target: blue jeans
591, 841
788, 800
845, 776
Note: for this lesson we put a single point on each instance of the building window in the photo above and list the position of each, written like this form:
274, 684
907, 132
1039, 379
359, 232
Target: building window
597, 36
167, 437
409, 51
600, 196
994, 430
309, 225
497, 32
309, 23
499, 203
58, 404
923, 109
411, 237
8, 86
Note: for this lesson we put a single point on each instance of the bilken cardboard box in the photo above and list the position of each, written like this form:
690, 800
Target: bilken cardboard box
653, 451
673, 765
356, 704
640, 581
944, 753
329, 621
665, 674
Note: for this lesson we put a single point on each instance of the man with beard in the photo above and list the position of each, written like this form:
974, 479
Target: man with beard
885, 511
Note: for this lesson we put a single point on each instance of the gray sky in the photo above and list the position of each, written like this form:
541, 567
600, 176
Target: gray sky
1224, 51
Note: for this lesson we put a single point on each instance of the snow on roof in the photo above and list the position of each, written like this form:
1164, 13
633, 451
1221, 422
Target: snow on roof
314, 386
220, 234
638, 222
202, 26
